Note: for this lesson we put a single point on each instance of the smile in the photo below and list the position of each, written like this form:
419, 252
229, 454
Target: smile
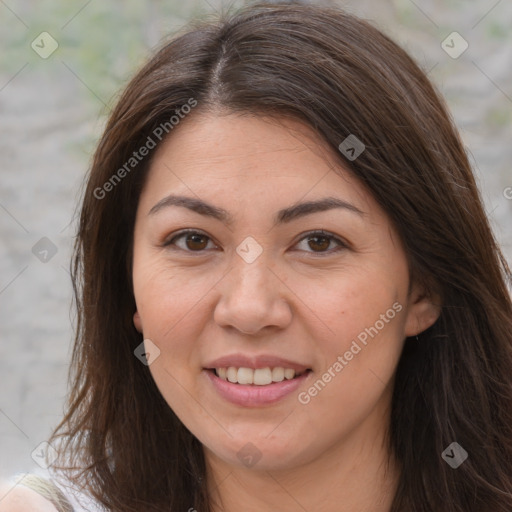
266, 393
256, 376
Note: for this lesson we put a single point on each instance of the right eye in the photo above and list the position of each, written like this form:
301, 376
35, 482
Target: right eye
194, 241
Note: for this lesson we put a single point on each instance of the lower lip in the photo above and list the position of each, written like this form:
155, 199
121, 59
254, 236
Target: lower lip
253, 395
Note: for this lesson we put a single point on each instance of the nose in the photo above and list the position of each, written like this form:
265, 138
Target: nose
252, 298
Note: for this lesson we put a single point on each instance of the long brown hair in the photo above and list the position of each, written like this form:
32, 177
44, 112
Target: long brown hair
341, 76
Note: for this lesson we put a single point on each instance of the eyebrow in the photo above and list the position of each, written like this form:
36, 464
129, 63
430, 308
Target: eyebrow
283, 216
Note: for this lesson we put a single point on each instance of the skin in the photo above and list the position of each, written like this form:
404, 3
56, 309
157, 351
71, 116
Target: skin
298, 300
22, 499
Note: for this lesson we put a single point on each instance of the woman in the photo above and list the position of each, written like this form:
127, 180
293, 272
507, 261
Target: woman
289, 294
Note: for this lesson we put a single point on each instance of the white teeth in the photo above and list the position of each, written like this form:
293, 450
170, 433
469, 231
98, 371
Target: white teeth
258, 377
262, 376
278, 374
288, 373
232, 374
245, 376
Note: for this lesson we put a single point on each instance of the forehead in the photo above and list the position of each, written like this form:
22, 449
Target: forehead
249, 154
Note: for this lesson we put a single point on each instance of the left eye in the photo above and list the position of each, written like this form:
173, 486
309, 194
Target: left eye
195, 241
322, 240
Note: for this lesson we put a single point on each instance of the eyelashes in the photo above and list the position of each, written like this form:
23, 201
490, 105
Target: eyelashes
198, 238
181, 234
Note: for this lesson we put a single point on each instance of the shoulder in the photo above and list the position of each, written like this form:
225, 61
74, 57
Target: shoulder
18, 498
44, 491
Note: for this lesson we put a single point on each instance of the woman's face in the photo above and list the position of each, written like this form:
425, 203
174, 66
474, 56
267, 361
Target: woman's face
254, 287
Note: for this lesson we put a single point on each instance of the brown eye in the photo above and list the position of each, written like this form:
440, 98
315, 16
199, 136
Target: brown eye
194, 241
318, 243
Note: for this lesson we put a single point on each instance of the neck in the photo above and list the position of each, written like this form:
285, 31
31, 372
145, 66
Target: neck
355, 475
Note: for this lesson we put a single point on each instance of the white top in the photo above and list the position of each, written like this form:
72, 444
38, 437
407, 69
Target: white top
78, 500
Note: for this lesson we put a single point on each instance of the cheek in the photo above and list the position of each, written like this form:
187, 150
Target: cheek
166, 296
170, 303
360, 337
173, 305
347, 304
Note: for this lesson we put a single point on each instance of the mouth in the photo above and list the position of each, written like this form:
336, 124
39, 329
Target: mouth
255, 380
257, 376
255, 387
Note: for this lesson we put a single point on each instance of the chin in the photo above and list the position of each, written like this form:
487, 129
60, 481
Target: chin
260, 453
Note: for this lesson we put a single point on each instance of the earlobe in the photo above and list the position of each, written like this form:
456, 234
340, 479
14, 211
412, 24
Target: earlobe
423, 311
137, 322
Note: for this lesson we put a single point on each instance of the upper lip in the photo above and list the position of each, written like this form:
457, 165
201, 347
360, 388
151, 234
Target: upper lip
260, 361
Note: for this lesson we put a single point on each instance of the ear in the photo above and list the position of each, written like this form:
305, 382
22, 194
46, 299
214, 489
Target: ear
137, 322
423, 310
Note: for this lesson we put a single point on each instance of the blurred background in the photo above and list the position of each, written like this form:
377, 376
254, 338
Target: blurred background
62, 66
